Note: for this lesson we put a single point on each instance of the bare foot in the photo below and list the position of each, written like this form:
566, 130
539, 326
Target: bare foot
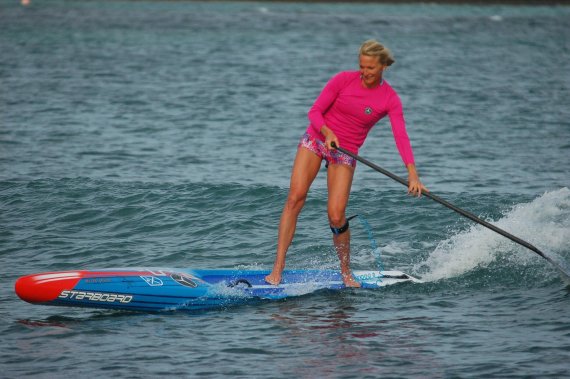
350, 282
274, 279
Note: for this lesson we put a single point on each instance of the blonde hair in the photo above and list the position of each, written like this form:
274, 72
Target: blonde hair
373, 48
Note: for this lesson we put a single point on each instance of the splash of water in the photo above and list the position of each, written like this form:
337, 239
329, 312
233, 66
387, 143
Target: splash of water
544, 222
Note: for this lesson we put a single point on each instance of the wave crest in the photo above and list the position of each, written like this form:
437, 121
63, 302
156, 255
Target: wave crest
544, 222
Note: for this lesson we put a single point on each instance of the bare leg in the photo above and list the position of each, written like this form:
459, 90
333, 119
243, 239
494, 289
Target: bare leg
339, 181
305, 169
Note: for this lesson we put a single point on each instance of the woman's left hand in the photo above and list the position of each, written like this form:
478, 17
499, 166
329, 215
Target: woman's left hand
415, 186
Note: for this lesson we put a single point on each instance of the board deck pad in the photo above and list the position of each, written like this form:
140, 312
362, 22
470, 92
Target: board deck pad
161, 289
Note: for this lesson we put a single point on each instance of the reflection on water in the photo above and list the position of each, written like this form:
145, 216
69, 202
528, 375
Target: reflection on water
368, 344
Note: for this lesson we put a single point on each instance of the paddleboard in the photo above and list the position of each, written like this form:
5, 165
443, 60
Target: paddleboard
183, 289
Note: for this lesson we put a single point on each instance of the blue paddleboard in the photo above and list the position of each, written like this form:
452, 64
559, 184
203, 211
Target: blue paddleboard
182, 289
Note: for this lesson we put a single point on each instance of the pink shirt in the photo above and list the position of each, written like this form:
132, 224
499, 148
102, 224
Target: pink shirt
350, 110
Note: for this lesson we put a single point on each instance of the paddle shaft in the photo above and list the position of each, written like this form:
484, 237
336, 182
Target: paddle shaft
438, 199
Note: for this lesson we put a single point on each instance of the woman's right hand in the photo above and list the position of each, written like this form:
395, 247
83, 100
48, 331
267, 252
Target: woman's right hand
330, 137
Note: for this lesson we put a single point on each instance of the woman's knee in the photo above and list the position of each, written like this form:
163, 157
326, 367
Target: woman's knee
295, 201
337, 217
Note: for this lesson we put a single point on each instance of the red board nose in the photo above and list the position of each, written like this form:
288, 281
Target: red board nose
45, 287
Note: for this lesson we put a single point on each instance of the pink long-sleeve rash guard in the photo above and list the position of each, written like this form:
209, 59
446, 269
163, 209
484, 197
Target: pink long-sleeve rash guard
350, 110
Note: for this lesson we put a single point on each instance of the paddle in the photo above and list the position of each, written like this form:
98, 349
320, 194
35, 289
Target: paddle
561, 265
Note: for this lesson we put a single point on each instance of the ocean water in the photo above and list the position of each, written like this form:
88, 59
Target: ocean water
163, 133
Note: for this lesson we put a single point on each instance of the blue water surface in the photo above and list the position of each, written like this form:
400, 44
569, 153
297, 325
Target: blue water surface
162, 134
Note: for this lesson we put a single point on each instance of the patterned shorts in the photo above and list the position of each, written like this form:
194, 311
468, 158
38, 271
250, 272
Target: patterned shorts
331, 156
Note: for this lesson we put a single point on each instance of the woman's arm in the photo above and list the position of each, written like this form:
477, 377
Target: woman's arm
324, 101
330, 137
396, 115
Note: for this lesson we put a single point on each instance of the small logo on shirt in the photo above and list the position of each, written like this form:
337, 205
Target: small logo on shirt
368, 110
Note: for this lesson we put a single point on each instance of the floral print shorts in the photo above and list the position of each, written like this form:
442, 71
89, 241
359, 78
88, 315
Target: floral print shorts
331, 156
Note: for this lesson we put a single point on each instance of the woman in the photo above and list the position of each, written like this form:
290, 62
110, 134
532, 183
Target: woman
343, 114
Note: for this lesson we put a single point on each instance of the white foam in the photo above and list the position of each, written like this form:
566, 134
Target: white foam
545, 223
302, 288
223, 290
251, 266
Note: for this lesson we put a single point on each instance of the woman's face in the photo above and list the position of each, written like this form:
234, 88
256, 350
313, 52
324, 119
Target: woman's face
371, 70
